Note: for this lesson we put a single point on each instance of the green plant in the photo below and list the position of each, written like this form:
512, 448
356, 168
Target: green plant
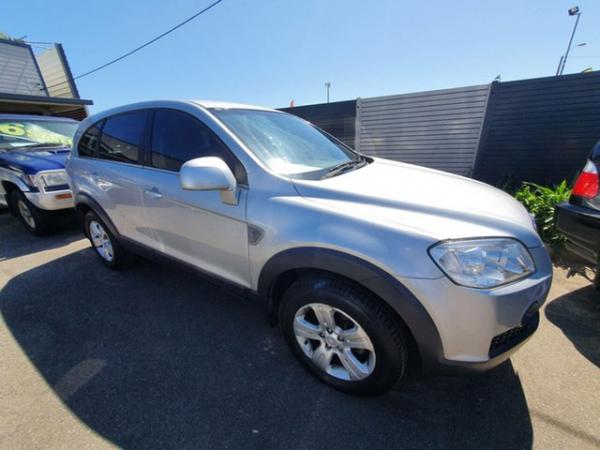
541, 201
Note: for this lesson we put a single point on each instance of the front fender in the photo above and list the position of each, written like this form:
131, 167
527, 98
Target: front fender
12, 177
376, 280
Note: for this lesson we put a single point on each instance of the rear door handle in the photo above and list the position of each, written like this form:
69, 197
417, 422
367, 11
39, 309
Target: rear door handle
102, 183
153, 193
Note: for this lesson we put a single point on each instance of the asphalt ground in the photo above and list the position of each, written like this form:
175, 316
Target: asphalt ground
158, 357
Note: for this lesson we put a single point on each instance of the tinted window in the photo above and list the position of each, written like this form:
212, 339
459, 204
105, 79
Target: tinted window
178, 137
121, 137
87, 143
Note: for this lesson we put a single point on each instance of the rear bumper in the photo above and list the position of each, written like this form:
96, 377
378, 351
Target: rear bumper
581, 226
51, 201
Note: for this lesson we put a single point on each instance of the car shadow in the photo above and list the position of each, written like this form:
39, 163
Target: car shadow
577, 314
158, 357
16, 241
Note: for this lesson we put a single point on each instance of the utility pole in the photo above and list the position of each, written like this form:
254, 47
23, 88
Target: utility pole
328, 85
574, 11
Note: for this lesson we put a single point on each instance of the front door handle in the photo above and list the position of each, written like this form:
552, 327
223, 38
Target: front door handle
153, 193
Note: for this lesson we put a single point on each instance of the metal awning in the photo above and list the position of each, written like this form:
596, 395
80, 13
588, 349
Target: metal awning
37, 104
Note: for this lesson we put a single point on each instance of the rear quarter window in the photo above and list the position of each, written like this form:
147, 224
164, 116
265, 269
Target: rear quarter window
89, 140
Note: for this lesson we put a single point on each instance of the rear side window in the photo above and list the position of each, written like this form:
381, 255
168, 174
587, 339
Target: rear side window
178, 137
122, 137
89, 140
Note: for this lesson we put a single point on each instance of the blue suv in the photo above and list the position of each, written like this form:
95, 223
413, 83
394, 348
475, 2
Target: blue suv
33, 182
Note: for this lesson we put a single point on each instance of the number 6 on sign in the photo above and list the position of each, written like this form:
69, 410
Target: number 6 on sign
12, 129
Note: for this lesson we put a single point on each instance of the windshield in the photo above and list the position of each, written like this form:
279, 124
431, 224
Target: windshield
287, 144
23, 133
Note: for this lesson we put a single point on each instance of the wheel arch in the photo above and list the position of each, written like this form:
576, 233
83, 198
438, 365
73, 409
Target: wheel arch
85, 203
12, 181
283, 268
8, 187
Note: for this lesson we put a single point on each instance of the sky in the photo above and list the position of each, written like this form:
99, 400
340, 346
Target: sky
268, 52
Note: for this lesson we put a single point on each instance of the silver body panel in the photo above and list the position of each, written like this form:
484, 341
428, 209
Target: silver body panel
197, 227
387, 214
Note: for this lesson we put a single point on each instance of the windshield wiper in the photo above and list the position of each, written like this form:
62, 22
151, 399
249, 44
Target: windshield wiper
353, 163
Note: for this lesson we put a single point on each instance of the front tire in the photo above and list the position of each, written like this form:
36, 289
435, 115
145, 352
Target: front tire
344, 335
105, 244
36, 220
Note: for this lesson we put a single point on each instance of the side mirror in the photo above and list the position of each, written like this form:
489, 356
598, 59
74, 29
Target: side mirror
209, 174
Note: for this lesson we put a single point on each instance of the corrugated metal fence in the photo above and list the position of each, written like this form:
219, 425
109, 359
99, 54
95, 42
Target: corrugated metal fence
536, 130
539, 130
337, 118
437, 129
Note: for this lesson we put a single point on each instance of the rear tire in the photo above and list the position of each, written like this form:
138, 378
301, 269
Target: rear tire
105, 244
36, 220
364, 351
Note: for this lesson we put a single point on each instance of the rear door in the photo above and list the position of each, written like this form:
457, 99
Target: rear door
117, 173
193, 226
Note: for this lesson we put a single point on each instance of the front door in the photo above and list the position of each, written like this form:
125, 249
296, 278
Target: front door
193, 226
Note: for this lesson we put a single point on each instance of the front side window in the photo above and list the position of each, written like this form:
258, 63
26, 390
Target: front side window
19, 133
122, 136
287, 144
178, 137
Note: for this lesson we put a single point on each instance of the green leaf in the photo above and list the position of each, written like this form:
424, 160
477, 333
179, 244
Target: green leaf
541, 201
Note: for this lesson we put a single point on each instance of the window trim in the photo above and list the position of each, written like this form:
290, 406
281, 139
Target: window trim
148, 145
141, 144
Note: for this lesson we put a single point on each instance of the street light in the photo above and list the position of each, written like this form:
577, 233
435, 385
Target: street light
574, 11
328, 85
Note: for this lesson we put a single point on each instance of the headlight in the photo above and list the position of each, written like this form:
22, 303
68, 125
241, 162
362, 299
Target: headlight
483, 263
53, 179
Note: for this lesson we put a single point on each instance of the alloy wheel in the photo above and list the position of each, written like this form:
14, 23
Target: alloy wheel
334, 342
101, 241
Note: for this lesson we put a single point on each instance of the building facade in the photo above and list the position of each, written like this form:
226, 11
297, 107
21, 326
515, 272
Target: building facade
38, 83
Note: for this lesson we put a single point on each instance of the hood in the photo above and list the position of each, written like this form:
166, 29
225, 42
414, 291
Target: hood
438, 204
33, 161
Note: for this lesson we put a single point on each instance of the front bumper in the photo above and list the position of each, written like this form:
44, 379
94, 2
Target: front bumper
470, 320
52, 200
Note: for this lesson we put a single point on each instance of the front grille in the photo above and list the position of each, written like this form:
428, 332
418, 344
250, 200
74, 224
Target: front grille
507, 340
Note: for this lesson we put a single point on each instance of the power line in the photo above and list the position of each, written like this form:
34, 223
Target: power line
146, 44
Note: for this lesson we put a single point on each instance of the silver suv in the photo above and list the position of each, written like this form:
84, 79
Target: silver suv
368, 265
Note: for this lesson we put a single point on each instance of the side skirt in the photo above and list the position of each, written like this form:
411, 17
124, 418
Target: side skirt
173, 263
